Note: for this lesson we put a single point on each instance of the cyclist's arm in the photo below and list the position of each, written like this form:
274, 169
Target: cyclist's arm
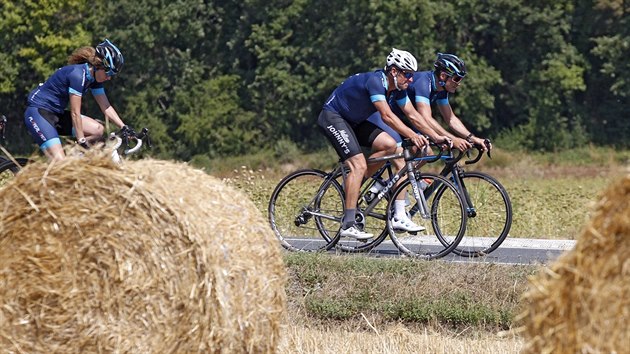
421, 123
425, 112
458, 126
453, 121
107, 109
458, 143
392, 119
75, 114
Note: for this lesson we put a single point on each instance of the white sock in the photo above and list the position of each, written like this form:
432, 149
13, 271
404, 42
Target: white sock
399, 208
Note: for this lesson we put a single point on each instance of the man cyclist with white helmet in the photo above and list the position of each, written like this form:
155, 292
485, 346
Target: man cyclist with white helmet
430, 87
344, 122
46, 117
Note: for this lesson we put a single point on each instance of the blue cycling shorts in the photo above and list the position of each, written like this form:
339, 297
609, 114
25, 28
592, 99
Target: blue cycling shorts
45, 127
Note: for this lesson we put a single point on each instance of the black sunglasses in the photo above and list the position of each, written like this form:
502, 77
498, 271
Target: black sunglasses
407, 74
457, 78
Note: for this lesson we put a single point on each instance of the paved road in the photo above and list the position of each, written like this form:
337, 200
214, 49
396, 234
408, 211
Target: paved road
512, 251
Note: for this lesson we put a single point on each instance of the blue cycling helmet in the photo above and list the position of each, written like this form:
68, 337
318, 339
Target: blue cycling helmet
113, 59
450, 64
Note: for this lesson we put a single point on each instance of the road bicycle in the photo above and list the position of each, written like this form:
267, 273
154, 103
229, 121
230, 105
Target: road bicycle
120, 143
17, 163
488, 205
306, 208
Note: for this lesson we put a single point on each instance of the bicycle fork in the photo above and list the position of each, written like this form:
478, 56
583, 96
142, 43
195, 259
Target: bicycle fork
458, 181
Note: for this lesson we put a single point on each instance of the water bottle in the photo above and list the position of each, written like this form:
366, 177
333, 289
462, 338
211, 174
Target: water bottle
424, 183
378, 185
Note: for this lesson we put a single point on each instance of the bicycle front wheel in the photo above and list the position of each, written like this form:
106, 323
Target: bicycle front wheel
489, 214
446, 219
305, 211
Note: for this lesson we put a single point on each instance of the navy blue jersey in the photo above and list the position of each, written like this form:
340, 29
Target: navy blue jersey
54, 94
423, 89
354, 98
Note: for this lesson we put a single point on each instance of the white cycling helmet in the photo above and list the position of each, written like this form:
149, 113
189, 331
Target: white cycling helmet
402, 60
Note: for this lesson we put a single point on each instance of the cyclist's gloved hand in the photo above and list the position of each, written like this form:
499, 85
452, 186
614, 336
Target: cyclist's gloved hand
127, 131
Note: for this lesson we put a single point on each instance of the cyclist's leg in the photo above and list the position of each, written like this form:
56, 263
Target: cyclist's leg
378, 121
384, 144
342, 137
41, 125
92, 129
379, 141
357, 166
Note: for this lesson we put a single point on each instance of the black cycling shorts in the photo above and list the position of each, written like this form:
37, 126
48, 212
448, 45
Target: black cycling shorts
61, 122
347, 138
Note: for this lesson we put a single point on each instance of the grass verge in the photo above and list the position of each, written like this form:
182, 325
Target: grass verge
358, 292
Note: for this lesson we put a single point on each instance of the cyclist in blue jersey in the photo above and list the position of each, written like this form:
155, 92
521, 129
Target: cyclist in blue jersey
46, 117
433, 87
344, 122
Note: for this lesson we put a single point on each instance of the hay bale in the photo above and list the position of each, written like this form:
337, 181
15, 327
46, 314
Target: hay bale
581, 304
150, 257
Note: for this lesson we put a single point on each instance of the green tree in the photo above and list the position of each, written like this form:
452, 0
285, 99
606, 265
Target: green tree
608, 94
213, 121
542, 73
36, 38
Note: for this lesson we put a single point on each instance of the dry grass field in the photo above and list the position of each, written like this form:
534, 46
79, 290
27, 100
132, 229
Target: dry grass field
345, 310
355, 304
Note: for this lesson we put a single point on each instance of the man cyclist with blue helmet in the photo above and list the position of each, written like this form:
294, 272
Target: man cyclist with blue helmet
344, 122
46, 117
430, 87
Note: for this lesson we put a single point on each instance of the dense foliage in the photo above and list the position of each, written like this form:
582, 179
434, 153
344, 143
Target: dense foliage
218, 78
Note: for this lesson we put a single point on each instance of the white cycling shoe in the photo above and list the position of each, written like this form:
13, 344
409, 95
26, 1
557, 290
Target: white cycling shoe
355, 233
405, 224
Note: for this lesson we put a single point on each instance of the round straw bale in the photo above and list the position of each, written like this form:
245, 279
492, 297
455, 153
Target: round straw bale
148, 257
581, 303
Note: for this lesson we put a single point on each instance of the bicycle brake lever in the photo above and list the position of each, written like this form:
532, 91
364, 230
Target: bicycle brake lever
144, 135
487, 143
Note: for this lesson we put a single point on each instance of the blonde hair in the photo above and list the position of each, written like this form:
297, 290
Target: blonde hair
85, 55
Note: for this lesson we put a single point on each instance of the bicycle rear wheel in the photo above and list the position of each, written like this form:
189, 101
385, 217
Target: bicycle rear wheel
305, 211
8, 169
489, 215
447, 219
372, 222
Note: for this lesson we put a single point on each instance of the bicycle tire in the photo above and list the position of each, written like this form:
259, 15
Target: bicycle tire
304, 213
374, 223
490, 220
447, 219
8, 169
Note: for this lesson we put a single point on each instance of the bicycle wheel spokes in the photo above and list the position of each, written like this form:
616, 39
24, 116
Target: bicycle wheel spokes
444, 225
304, 213
8, 169
374, 223
489, 215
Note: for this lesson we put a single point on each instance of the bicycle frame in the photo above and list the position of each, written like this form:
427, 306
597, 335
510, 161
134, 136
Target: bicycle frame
411, 161
453, 169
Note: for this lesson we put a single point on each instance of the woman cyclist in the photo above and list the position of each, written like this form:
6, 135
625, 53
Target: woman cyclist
46, 117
